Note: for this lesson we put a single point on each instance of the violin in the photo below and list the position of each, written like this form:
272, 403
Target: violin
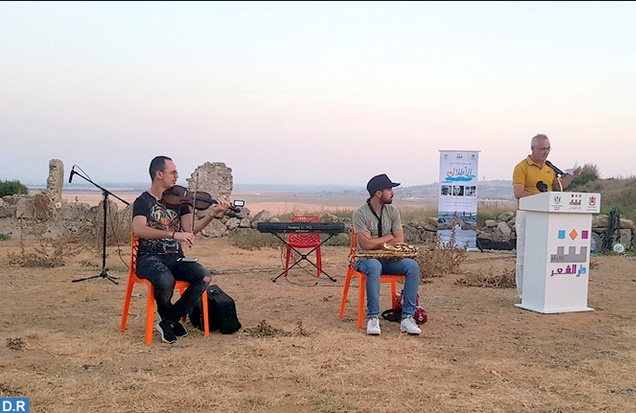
179, 195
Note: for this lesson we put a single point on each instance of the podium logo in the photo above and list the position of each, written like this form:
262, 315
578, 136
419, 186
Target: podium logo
572, 269
591, 201
557, 199
571, 256
575, 199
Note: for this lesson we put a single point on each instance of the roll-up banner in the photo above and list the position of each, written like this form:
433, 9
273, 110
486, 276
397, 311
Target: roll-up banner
457, 208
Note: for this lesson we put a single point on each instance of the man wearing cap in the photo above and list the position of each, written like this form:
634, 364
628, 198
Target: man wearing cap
376, 223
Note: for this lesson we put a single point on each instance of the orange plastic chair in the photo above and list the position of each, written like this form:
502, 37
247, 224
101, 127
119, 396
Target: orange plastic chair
150, 304
384, 278
307, 240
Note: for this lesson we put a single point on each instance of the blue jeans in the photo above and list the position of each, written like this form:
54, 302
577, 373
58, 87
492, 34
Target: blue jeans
374, 267
163, 271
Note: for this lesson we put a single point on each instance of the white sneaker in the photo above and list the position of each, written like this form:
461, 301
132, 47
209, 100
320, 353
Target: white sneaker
408, 325
373, 326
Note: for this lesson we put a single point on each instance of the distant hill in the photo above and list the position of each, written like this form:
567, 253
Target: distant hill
495, 189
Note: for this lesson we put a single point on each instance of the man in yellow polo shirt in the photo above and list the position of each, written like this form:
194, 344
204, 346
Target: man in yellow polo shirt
531, 176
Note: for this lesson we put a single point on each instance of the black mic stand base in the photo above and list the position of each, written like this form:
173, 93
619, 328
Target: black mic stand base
103, 274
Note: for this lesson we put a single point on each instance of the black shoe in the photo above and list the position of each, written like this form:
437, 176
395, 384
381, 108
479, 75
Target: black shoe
179, 330
166, 329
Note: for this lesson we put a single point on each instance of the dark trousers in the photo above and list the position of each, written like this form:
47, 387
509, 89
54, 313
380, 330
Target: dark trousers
162, 271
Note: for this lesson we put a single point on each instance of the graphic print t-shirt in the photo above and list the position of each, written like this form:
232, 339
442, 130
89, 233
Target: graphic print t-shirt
162, 217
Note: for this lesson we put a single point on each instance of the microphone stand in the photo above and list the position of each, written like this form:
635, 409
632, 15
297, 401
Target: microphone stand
105, 193
559, 173
559, 181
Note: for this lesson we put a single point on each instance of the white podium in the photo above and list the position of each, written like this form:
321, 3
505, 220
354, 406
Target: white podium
557, 251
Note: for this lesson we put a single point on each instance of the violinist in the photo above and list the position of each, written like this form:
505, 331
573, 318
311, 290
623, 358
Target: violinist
162, 229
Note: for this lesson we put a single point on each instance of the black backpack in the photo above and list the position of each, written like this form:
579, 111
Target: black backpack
221, 312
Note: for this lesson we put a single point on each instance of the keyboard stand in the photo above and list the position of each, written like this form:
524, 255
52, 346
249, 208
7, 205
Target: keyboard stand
302, 257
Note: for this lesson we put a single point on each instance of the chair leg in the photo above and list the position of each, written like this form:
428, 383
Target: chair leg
393, 293
319, 261
287, 256
345, 293
124, 313
181, 291
361, 300
206, 321
150, 314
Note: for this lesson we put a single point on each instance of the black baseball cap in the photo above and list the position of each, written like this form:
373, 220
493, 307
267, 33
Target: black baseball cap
379, 183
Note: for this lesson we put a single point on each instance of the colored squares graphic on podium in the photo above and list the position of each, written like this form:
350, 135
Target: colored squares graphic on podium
584, 234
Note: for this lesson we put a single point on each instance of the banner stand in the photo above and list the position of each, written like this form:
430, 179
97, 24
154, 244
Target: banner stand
457, 206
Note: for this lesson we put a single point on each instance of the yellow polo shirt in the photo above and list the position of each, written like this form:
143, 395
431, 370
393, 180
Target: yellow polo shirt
528, 173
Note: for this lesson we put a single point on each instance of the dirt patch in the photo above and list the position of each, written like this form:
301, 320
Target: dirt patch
478, 352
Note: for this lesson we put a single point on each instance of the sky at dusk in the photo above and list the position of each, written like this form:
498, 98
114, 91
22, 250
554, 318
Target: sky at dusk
314, 93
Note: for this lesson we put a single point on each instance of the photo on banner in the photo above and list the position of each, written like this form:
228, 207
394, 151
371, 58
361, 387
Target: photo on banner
457, 206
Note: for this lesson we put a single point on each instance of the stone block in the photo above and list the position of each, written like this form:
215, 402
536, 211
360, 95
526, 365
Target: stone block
504, 228
215, 229
506, 216
627, 223
232, 223
490, 223
25, 208
7, 211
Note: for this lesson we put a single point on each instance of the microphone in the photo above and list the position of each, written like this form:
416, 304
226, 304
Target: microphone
557, 170
542, 187
70, 178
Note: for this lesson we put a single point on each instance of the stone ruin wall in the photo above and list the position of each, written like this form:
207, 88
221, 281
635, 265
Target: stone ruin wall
48, 210
213, 178
55, 182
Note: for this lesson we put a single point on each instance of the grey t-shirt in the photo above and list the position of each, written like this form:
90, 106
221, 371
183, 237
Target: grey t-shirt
363, 219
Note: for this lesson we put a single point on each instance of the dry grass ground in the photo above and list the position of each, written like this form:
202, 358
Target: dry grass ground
62, 347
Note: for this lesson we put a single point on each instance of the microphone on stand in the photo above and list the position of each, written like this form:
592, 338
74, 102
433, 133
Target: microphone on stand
556, 170
70, 178
542, 187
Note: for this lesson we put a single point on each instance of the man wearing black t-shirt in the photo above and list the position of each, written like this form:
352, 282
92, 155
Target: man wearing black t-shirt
161, 230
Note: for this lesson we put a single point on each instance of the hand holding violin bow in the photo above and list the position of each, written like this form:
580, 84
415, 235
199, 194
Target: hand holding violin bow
187, 237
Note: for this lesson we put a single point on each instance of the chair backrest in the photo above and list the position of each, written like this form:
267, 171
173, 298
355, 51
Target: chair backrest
354, 242
353, 247
134, 240
309, 240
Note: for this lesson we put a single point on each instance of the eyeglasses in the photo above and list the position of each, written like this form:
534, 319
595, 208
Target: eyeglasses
548, 149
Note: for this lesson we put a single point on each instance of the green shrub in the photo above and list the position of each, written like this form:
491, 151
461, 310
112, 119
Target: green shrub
12, 188
439, 260
589, 173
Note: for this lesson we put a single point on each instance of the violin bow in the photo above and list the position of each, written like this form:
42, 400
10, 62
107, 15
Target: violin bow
194, 200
